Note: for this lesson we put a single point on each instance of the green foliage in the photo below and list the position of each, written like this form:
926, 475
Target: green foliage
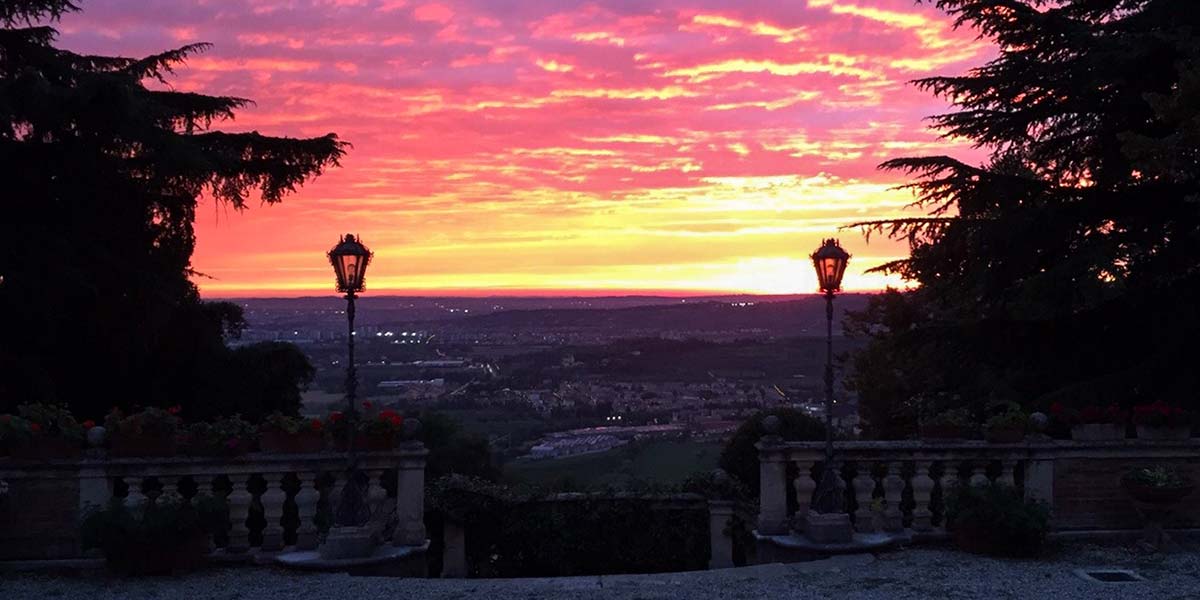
995, 519
1011, 418
1161, 477
740, 458
1089, 110
453, 451
515, 532
225, 436
151, 538
154, 422
13, 429
96, 243
51, 420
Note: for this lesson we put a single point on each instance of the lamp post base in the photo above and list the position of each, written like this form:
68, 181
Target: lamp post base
348, 542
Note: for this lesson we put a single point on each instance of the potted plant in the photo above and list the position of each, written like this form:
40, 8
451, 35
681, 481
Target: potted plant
1161, 421
226, 436
1007, 427
372, 431
150, 432
291, 435
949, 425
47, 431
1092, 423
162, 536
1156, 492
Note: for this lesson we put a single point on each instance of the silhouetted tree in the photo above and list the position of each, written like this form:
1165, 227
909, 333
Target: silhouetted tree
739, 457
1067, 267
100, 185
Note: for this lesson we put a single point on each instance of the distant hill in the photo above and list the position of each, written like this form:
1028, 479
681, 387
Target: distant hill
787, 317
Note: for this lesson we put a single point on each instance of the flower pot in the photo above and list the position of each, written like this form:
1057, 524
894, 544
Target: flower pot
1157, 495
1005, 436
281, 442
1145, 432
367, 443
1097, 432
126, 446
944, 432
46, 448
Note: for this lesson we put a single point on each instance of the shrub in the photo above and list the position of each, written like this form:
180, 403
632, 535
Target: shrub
150, 422
14, 429
51, 420
221, 437
1013, 418
739, 458
160, 536
1156, 477
994, 519
281, 423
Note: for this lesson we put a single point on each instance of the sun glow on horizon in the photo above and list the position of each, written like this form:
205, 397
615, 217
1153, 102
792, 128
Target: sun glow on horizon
578, 147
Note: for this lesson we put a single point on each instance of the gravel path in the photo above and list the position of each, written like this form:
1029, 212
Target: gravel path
912, 573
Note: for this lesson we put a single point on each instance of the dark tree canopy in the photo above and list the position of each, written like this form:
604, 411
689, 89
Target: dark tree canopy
1067, 267
101, 179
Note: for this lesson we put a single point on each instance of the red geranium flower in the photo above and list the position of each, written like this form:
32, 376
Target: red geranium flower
174, 409
34, 427
316, 425
1056, 409
88, 424
335, 416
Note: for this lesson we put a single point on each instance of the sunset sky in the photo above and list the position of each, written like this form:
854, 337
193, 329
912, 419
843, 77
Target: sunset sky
504, 146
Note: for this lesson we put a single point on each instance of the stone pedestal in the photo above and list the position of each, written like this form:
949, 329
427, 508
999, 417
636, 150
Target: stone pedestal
719, 514
832, 528
347, 542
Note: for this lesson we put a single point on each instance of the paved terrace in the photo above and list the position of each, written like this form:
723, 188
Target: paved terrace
913, 573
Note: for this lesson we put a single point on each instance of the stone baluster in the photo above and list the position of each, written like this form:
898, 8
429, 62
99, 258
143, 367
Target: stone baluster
864, 489
922, 489
334, 492
204, 489
978, 473
239, 500
772, 497
950, 477
306, 508
135, 500
805, 486
893, 489
272, 500
170, 486
1007, 466
375, 495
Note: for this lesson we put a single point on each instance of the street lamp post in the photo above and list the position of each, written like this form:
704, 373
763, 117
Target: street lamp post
350, 259
830, 261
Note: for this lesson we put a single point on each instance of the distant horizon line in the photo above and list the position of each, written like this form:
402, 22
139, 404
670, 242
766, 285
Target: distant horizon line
524, 293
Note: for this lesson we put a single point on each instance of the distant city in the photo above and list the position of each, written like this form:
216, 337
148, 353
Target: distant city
579, 374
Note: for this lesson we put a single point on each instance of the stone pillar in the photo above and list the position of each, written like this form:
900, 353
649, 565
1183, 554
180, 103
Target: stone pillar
772, 494
410, 497
719, 514
454, 550
1039, 482
95, 488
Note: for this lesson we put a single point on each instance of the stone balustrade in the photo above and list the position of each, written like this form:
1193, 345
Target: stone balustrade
899, 486
274, 500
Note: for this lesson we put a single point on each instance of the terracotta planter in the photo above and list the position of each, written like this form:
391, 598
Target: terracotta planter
944, 432
1145, 432
122, 446
1097, 432
1157, 495
47, 448
1005, 436
368, 443
280, 442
